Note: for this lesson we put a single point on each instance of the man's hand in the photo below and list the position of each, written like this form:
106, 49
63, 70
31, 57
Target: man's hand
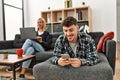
75, 62
63, 62
39, 39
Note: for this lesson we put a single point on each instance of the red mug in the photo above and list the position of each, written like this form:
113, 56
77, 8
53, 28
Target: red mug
19, 53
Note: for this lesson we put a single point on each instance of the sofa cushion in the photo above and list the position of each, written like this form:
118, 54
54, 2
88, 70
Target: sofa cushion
42, 56
55, 72
10, 51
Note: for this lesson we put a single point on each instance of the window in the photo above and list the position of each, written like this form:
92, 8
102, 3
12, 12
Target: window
13, 18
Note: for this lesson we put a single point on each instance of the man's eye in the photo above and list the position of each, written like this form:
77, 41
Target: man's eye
65, 30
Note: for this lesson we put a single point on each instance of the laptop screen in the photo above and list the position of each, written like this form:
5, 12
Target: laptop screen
28, 33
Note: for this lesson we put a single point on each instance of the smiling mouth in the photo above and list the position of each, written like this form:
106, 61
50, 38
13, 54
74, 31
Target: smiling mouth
70, 36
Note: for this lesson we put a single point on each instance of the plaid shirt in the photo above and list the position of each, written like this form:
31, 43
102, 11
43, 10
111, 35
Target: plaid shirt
86, 50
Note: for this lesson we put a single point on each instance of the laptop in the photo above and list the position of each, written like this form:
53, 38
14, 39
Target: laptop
28, 33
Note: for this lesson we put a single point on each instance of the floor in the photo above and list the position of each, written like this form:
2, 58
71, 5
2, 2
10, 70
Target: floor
29, 75
3, 72
117, 71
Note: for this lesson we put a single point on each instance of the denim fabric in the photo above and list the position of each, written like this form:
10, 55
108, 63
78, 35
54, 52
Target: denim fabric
29, 48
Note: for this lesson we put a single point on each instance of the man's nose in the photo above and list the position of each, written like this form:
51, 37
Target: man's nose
68, 33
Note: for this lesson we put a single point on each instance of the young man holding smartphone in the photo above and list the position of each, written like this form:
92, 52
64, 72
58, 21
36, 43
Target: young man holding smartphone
78, 45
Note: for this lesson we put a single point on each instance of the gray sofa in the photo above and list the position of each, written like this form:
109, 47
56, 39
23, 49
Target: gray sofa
101, 71
10, 46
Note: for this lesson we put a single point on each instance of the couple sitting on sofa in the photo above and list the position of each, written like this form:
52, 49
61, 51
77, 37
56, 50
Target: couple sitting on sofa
79, 46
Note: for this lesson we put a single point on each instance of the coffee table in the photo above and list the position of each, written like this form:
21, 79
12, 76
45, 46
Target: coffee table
14, 60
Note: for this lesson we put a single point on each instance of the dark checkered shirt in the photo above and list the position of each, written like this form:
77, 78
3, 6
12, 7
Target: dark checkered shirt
86, 50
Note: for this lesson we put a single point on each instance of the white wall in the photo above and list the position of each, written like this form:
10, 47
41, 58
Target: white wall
34, 8
1, 21
103, 12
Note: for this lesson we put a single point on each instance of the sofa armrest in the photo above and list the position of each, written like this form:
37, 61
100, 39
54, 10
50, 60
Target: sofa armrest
111, 53
6, 44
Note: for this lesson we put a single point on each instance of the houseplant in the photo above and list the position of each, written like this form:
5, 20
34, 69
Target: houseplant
5, 55
60, 19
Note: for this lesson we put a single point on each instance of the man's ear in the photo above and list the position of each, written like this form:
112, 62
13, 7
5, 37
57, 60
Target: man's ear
77, 27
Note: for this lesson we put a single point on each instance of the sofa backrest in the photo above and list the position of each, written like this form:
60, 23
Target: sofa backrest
18, 42
96, 36
54, 38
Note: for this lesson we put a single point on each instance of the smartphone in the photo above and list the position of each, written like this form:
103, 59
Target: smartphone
65, 56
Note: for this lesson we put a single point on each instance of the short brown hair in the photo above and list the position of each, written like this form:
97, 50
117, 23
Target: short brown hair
69, 21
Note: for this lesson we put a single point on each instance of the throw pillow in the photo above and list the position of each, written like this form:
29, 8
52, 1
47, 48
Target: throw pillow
102, 41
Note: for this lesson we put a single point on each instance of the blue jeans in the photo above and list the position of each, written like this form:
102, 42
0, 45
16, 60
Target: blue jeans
29, 48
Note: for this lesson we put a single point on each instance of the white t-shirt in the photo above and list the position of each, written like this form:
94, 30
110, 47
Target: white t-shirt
73, 46
40, 33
